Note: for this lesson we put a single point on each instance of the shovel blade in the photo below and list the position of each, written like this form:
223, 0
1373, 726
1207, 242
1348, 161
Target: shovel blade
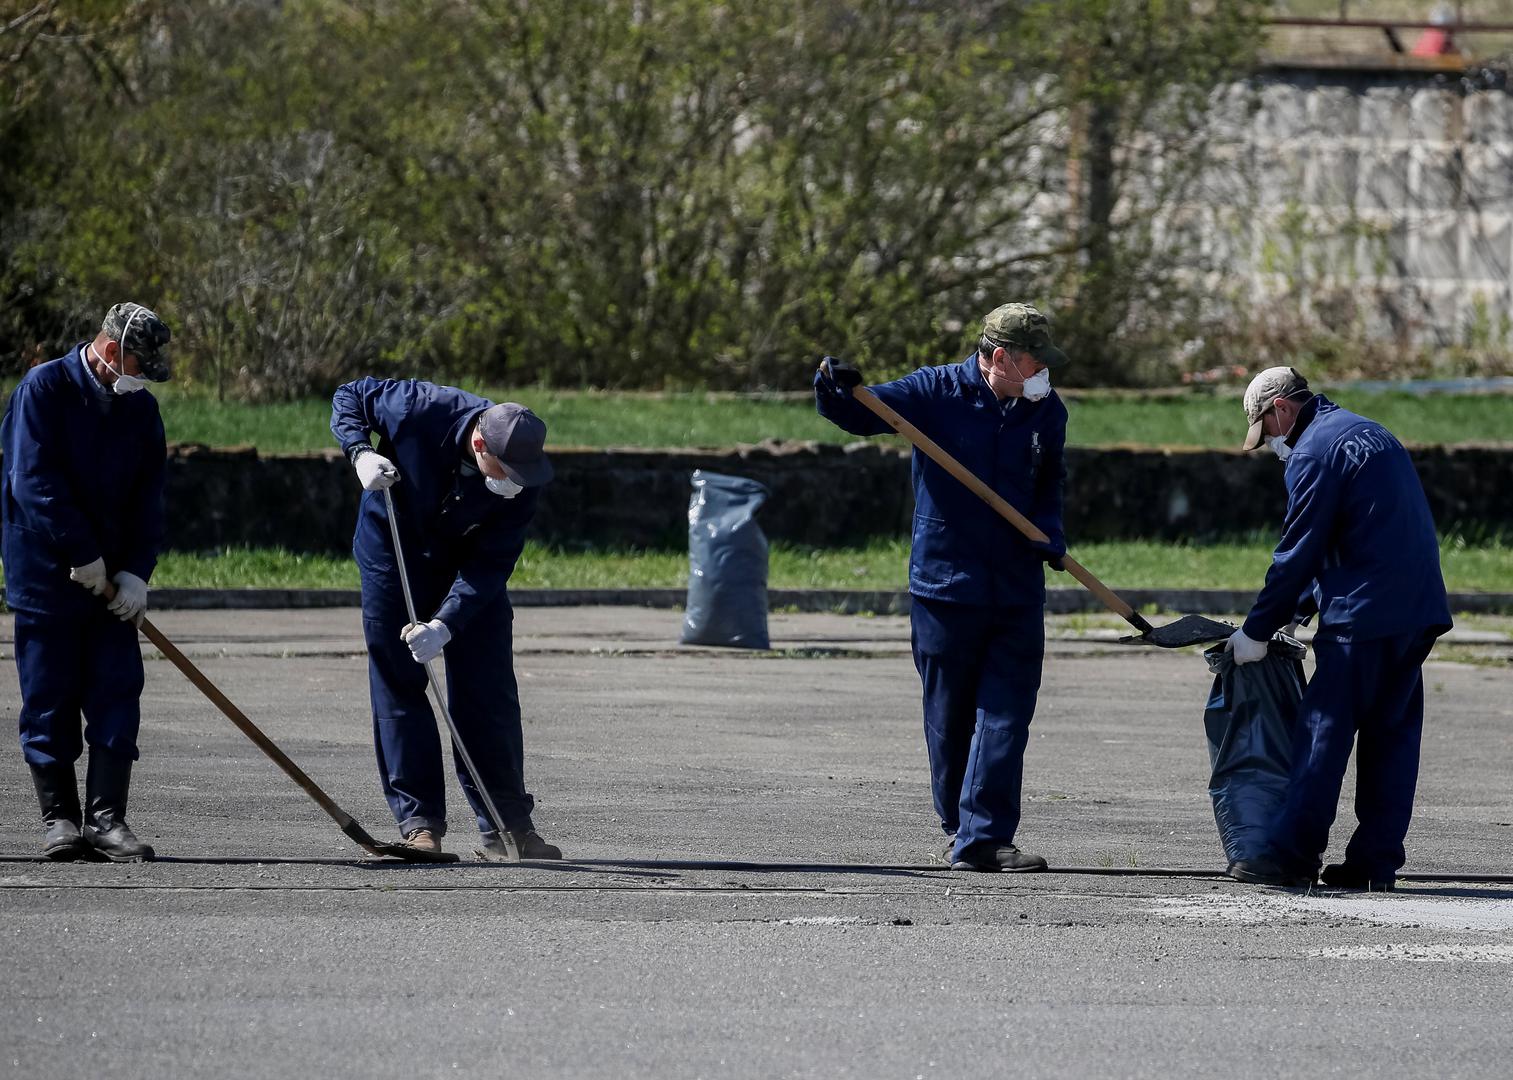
1188, 630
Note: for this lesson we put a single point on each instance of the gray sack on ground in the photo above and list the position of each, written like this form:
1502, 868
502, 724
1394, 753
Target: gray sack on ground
1250, 718
727, 563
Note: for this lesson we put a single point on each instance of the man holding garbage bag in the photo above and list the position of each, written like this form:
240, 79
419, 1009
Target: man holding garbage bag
1358, 549
466, 476
976, 584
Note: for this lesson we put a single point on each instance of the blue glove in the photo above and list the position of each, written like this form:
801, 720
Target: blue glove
838, 376
1052, 557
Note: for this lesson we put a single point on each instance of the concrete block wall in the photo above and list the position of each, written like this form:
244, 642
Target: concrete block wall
1392, 189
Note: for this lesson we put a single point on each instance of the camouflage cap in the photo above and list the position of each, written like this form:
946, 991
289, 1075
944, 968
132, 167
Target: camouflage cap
141, 334
1021, 327
1262, 394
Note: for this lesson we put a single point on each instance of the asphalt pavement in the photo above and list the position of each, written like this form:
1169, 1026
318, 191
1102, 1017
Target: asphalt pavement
749, 890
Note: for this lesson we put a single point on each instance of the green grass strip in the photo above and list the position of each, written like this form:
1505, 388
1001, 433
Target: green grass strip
1485, 566
594, 419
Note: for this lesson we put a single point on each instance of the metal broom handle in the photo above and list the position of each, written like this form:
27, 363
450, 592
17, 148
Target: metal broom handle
462, 751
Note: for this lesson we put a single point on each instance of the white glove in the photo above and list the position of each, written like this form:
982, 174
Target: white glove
91, 576
375, 471
426, 640
1247, 650
1291, 630
130, 603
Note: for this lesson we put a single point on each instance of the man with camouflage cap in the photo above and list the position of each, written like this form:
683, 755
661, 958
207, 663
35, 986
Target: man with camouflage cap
976, 584
466, 476
81, 496
1358, 549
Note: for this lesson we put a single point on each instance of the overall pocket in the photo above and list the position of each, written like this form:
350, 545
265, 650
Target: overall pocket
930, 561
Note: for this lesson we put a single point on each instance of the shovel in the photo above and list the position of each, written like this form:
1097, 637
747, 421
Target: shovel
344, 820
1188, 630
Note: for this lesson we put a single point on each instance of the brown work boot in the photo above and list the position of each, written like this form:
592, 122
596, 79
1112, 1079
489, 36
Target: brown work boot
527, 841
423, 840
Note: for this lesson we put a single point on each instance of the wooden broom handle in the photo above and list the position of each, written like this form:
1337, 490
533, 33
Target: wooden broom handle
237, 717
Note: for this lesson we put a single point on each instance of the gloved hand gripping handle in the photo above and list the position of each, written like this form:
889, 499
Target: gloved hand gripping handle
933, 451
344, 820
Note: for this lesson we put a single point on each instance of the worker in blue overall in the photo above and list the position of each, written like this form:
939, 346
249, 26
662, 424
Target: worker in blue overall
1359, 550
81, 498
466, 476
977, 585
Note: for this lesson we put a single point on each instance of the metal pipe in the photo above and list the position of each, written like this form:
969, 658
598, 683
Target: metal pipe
511, 851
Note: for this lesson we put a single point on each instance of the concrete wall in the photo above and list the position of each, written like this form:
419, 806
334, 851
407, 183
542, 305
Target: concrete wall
821, 495
1381, 201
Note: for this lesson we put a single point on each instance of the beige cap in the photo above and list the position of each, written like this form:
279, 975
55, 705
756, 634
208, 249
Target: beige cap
1263, 390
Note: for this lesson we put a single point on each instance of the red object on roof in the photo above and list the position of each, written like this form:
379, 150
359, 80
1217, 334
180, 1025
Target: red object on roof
1433, 43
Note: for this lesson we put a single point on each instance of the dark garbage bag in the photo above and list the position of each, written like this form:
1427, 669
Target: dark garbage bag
1250, 718
727, 563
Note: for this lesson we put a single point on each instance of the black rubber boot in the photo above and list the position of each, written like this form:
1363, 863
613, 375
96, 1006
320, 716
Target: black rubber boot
1345, 876
1264, 871
1002, 859
105, 787
58, 793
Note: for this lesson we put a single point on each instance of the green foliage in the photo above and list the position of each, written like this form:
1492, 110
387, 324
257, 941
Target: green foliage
606, 193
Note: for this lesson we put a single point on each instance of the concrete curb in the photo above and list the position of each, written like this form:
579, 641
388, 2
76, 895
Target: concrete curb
1059, 601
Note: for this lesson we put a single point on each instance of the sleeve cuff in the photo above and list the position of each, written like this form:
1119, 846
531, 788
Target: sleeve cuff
1256, 632
83, 553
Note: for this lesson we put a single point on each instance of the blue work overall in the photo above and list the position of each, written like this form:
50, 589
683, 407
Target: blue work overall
461, 543
1358, 549
977, 584
83, 480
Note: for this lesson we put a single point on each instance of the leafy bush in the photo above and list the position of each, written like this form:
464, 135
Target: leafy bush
610, 193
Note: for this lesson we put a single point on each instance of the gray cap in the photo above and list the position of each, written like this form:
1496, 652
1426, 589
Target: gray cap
517, 437
142, 334
1260, 395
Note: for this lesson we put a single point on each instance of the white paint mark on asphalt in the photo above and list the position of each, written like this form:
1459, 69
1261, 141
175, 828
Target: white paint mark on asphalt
1421, 954
818, 920
1230, 909
1437, 913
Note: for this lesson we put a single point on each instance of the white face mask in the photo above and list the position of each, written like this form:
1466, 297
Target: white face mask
1279, 447
505, 489
1034, 388
124, 384
1037, 385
